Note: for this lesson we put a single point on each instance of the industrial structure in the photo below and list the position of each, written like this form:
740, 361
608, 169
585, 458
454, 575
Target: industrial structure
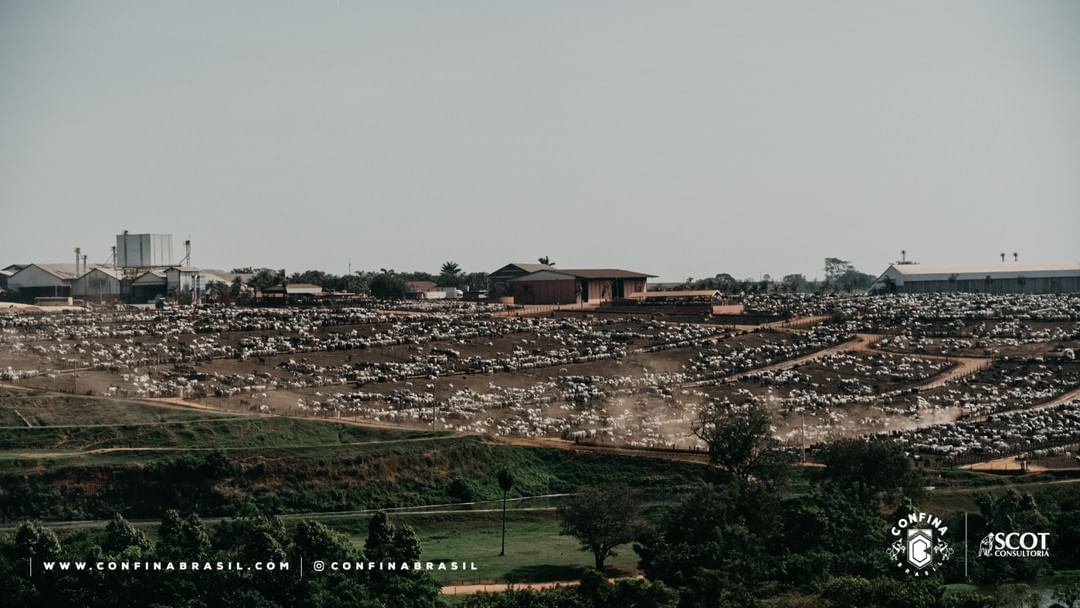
139, 270
996, 277
138, 251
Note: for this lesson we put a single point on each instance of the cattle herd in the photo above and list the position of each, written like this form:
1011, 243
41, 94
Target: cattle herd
947, 375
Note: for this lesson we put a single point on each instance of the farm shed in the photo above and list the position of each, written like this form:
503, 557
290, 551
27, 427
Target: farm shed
1003, 277
573, 285
99, 285
42, 280
148, 286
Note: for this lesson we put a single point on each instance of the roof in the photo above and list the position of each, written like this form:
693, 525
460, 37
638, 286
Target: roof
604, 273
418, 286
151, 277
112, 272
967, 272
297, 288
694, 293
527, 267
548, 273
64, 272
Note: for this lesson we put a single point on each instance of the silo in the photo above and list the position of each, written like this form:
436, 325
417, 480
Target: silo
143, 250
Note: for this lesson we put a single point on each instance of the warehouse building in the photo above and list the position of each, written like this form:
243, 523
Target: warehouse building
99, 285
34, 281
999, 277
576, 285
149, 286
515, 270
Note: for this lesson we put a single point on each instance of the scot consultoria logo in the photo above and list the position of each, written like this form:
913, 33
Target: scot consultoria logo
919, 547
1015, 544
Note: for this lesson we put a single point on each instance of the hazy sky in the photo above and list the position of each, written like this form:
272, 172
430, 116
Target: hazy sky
677, 138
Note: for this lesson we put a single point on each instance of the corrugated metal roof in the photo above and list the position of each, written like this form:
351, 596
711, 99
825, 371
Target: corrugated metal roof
548, 274
970, 272
603, 273
61, 271
909, 270
116, 274
530, 267
694, 293
587, 273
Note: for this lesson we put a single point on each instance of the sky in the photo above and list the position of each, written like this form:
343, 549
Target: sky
678, 138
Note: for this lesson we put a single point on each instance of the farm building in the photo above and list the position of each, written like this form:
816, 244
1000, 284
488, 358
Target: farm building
42, 281
148, 286
576, 285
99, 285
698, 296
416, 290
144, 250
292, 292
183, 279
515, 270
1002, 277
5, 274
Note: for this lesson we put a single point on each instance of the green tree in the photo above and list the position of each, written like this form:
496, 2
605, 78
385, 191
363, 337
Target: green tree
120, 536
1016, 595
793, 283
740, 441
1068, 594
387, 285
449, 275
601, 519
871, 467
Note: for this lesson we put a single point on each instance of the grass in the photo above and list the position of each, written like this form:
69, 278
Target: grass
50, 409
202, 433
535, 551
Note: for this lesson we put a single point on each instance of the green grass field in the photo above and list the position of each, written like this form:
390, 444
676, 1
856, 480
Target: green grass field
535, 551
196, 433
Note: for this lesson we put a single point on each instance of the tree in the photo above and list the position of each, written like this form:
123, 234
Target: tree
1068, 594
842, 275
182, 538
601, 519
506, 482
120, 536
265, 278
1017, 595
449, 275
387, 286
389, 543
477, 281
793, 283
740, 441
219, 292
870, 467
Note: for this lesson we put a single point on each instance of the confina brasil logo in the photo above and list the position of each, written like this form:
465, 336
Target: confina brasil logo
918, 544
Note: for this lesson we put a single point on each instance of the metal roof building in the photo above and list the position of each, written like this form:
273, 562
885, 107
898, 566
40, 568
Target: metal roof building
99, 285
998, 277
550, 285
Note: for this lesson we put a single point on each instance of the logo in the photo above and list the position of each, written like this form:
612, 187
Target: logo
1015, 544
919, 546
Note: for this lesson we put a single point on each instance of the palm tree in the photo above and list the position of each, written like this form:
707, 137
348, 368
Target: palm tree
450, 274
506, 481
